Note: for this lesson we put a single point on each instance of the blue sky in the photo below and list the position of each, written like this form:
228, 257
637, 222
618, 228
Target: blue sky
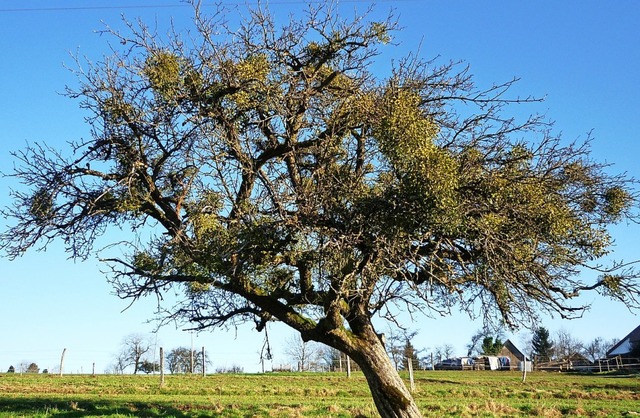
583, 56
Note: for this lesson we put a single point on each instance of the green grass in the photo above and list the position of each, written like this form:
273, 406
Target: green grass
438, 393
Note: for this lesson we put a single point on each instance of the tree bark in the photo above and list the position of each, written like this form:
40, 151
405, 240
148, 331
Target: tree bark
391, 396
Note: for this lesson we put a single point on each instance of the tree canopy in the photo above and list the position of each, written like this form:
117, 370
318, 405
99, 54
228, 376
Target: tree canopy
184, 360
279, 178
490, 346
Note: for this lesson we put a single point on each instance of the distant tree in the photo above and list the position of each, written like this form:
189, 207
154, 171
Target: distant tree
444, 351
305, 354
45, 371
474, 345
394, 346
179, 360
11, 369
525, 339
332, 358
396, 341
120, 363
147, 366
426, 362
335, 360
233, 369
541, 344
491, 346
33, 368
485, 342
134, 348
596, 349
567, 347
409, 353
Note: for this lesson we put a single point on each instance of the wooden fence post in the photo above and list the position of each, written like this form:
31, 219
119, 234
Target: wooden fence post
62, 361
161, 367
203, 363
410, 367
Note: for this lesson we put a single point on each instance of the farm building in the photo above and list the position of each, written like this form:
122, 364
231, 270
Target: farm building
509, 358
515, 356
625, 345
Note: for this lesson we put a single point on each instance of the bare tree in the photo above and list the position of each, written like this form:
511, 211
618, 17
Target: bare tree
334, 360
23, 366
267, 174
397, 342
305, 354
444, 351
596, 349
566, 347
119, 365
134, 351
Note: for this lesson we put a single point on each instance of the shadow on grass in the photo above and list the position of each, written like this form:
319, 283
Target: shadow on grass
59, 408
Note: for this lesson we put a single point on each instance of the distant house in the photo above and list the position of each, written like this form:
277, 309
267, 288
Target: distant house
578, 361
515, 356
625, 345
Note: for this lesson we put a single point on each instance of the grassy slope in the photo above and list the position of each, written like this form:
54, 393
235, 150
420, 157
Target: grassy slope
439, 393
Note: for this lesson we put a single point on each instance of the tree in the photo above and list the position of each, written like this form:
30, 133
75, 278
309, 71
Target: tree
482, 342
265, 172
566, 346
11, 369
542, 345
179, 360
134, 349
119, 364
147, 366
334, 360
491, 346
596, 349
305, 354
33, 368
234, 369
472, 347
409, 353
443, 352
395, 344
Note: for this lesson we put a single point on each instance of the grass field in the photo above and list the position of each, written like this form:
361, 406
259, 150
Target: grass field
438, 393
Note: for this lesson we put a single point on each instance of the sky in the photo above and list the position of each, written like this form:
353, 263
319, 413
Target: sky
582, 56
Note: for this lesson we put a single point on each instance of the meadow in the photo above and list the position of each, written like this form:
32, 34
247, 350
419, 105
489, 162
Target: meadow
438, 393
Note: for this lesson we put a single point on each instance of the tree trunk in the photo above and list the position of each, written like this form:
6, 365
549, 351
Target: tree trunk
391, 396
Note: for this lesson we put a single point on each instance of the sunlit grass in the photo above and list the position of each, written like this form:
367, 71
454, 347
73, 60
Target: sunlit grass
438, 393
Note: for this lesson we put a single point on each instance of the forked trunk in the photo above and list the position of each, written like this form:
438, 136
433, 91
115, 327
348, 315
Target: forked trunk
391, 396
